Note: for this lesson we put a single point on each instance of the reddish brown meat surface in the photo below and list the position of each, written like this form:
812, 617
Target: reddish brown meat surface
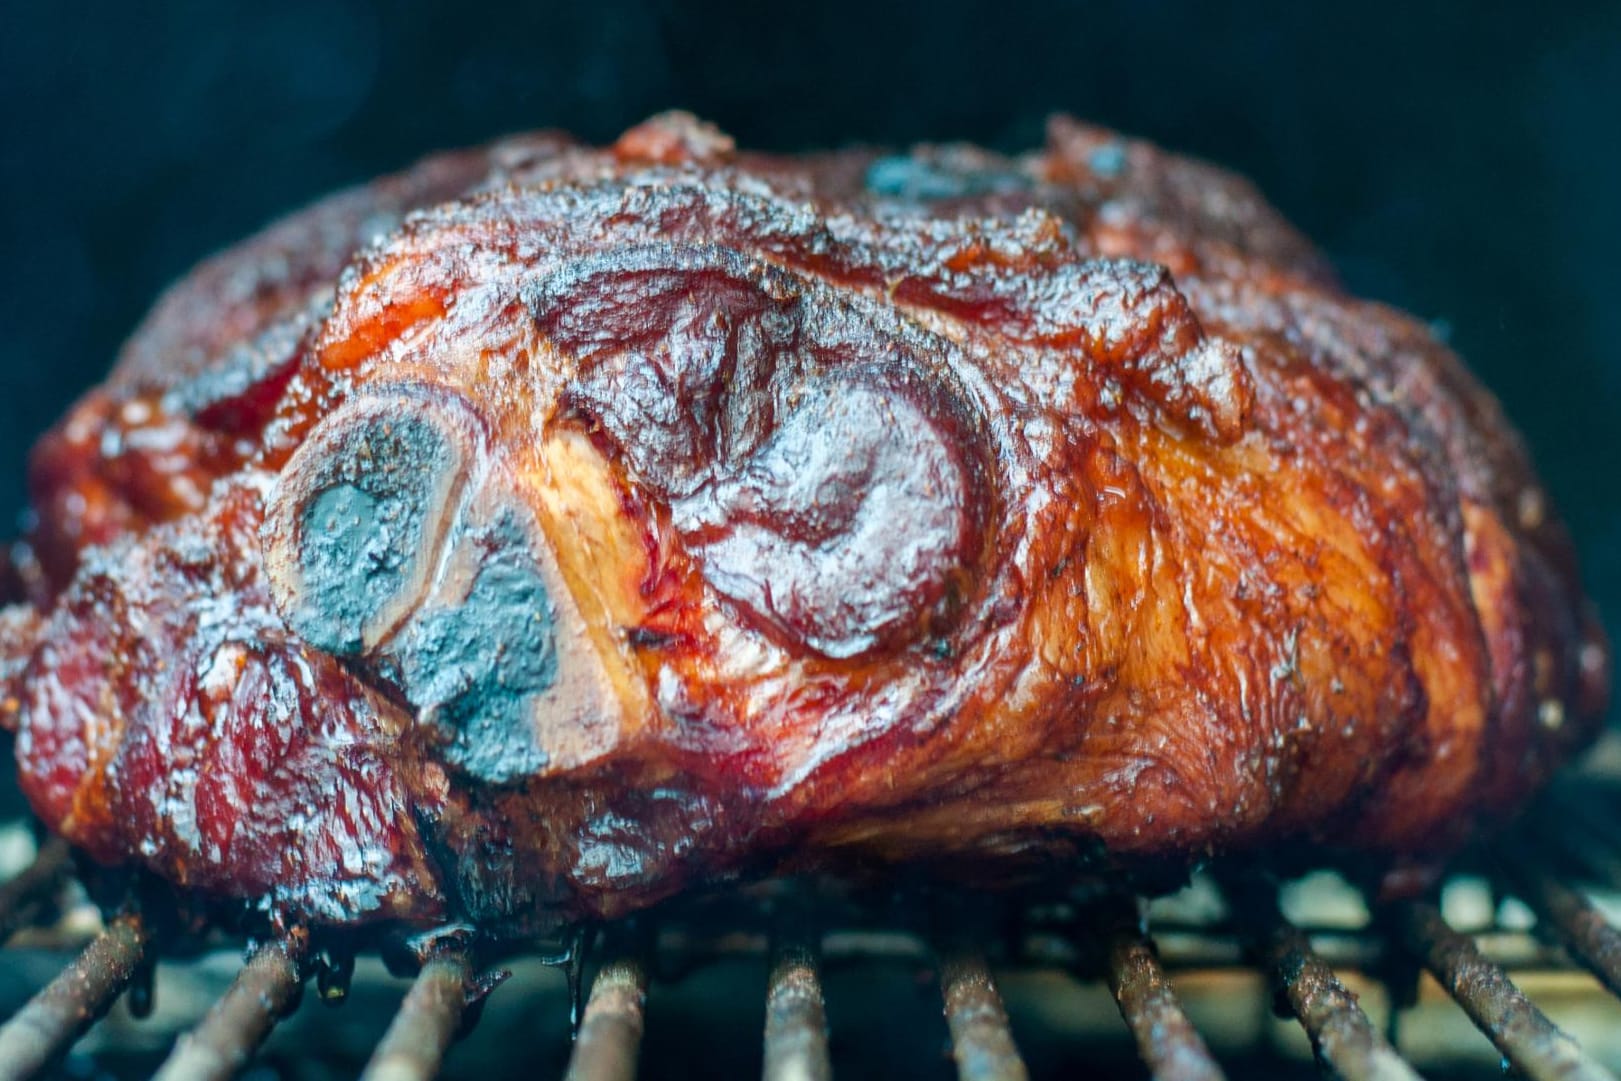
633, 517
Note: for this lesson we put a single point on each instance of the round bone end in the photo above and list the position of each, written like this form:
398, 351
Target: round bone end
358, 516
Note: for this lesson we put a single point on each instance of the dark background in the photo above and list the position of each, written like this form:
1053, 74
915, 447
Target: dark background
1460, 160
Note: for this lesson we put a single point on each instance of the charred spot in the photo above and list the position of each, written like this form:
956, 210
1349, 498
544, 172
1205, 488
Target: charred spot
650, 638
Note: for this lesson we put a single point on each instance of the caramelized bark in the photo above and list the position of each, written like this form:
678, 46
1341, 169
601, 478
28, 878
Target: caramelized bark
660, 513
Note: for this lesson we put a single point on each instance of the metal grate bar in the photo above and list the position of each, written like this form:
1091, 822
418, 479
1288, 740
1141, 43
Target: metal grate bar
264, 991
429, 1018
611, 1031
981, 1040
1581, 927
1166, 1039
795, 1017
73, 1001
19, 896
1525, 1036
1340, 1032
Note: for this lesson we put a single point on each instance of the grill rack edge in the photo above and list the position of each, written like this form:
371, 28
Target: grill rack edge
1137, 966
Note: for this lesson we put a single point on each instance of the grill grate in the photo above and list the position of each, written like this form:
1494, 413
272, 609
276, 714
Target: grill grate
1580, 926
1341, 1034
611, 1030
422, 1031
75, 1000
224, 1041
1166, 1039
446, 996
1527, 1039
981, 1041
796, 1020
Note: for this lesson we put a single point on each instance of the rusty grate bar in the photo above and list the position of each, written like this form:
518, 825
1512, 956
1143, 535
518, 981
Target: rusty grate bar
1340, 1032
1580, 926
795, 1017
263, 992
443, 1000
73, 1001
611, 1031
981, 1041
19, 895
1167, 1041
1525, 1036
429, 1018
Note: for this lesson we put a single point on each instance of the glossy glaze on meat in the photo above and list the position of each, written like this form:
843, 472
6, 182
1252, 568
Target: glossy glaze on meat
629, 518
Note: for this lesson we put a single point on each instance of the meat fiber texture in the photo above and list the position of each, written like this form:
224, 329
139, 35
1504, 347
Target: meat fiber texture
546, 530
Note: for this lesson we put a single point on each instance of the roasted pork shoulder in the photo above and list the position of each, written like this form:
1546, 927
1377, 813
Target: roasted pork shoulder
544, 530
